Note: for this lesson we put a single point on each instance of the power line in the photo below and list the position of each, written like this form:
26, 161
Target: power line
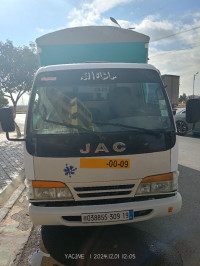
164, 52
175, 34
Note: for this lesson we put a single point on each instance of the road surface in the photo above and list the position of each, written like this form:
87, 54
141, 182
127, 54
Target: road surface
20, 120
189, 151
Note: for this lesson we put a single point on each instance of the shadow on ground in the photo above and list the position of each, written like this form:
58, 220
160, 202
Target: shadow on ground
110, 245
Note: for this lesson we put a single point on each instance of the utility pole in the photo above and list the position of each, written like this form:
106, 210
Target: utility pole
194, 82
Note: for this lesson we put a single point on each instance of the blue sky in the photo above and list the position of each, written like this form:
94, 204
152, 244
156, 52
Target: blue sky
22, 21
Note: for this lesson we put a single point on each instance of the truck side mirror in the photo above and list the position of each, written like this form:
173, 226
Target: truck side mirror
7, 120
193, 111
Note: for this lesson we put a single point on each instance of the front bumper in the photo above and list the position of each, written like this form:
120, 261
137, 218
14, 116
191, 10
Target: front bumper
145, 210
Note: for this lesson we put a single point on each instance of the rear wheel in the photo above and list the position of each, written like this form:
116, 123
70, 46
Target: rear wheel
182, 128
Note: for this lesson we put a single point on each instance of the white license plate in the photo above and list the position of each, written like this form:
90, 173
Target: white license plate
102, 217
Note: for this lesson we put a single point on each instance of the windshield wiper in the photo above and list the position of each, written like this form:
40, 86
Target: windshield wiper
150, 131
68, 125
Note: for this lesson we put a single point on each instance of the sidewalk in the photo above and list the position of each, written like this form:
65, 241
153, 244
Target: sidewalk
11, 158
11, 161
15, 229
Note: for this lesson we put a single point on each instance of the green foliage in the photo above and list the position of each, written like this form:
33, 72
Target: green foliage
182, 98
3, 101
17, 68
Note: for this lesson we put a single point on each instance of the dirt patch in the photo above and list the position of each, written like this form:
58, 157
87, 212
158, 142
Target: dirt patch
29, 248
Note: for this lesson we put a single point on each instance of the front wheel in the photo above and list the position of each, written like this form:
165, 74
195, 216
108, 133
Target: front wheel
182, 128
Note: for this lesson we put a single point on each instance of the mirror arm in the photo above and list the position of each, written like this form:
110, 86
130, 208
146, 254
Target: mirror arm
8, 138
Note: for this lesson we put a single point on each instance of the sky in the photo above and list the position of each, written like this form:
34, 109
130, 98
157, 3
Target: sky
173, 27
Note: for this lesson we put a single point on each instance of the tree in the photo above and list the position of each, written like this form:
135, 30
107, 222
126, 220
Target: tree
3, 101
17, 68
182, 98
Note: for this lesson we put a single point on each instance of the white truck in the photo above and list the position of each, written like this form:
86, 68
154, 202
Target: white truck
100, 142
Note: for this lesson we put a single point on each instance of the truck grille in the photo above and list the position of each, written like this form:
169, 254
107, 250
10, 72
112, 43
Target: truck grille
103, 191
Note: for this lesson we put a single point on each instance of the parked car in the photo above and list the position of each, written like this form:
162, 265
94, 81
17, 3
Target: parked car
182, 126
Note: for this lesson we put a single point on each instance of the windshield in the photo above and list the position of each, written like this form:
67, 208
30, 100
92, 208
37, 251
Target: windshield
100, 100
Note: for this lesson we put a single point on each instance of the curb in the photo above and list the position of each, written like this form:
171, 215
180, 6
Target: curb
11, 201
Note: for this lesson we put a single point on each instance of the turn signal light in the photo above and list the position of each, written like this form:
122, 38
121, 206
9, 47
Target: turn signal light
157, 178
47, 184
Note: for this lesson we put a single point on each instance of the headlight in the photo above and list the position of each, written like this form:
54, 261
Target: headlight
44, 193
144, 188
162, 186
45, 190
64, 193
158, 184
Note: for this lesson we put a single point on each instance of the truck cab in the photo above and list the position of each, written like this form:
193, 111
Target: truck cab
100, 145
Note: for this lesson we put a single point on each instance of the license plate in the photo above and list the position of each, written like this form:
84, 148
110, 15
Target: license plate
111, 163
102, 217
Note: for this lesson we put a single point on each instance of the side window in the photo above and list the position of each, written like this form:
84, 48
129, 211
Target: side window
39, 113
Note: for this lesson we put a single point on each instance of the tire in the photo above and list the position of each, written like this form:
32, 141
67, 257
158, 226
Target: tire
182, 127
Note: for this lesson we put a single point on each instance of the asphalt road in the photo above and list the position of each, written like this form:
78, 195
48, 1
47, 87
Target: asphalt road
189, 151
173, 240
20, 120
